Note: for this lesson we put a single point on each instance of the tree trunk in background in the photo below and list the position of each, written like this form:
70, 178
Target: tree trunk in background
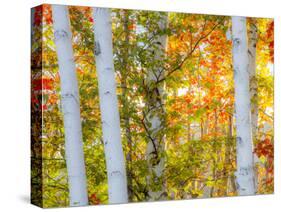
215, 151
207, 189
126, 103
229, 179
32, 12
245, 169
188, 130
202, 129
253, 36
71, 108
115, 163
155, 122
206, 125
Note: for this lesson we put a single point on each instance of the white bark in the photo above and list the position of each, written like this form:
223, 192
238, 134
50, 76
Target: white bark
115, 163
245, 169
70, 107
154, 117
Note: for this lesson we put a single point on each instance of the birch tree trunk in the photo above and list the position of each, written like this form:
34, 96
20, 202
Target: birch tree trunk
155, 121
245, 169
115, 163
71, 108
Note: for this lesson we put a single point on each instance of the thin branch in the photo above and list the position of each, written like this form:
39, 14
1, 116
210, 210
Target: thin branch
192, 50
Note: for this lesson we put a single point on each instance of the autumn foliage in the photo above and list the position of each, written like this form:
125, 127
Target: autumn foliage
199, 119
